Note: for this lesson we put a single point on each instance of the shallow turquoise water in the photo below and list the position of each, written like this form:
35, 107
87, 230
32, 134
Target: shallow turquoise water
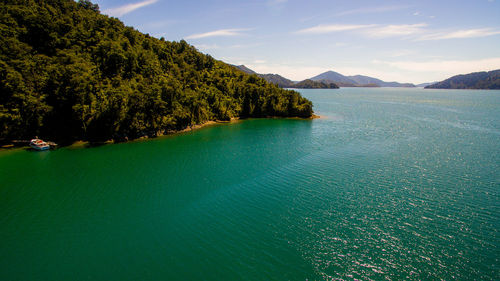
389, 184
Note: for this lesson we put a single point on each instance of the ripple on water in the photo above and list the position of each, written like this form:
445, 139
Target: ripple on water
396, 184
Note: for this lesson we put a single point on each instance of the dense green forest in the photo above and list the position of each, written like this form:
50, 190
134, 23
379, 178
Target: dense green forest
477, 80
68, 72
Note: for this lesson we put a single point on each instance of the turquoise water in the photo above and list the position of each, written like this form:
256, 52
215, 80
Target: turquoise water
389, 184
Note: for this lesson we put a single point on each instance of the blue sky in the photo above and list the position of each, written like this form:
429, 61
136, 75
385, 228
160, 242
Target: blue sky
405, 41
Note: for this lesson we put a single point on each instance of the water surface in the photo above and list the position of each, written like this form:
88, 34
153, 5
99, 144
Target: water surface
389, 184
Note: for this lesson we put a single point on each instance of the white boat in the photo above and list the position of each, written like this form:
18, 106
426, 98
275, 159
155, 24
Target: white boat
39, 144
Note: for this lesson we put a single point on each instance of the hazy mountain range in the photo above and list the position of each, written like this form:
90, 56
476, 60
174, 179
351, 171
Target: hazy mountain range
356, 80
477, 80
332, 79
327, 80
423, 85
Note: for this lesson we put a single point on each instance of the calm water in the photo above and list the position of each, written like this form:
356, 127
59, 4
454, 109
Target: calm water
390, 184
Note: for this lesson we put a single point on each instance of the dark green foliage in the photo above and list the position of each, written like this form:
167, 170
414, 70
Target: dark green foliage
477, 80
310, 84
68, 72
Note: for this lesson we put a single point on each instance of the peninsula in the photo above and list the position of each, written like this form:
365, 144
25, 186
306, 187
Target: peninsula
68, 72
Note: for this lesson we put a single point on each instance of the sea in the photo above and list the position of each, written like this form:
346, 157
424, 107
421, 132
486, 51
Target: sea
389, 184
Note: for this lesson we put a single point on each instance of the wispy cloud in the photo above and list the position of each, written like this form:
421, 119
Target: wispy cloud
206, 47
450, 67
417, 32
460, 34
370, 30
322, 29
400, 53
128, 8
396, 30
372, 10
340, 44
219, 33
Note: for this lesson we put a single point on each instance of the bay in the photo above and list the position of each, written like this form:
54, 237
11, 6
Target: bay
390, 183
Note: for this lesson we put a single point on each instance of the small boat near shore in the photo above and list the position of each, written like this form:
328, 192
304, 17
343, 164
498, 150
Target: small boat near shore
39, 145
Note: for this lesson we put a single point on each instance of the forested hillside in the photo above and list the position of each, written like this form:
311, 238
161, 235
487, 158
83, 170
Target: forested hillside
477, 80
68, 72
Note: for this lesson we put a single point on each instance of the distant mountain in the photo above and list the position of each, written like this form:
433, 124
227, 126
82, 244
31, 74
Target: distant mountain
287, 83
277, 79
334, 77
366, 80
356, 80
477, 80
341, 84
271, 78
245, 69
422, 85
310, 84
361, 79
326, 78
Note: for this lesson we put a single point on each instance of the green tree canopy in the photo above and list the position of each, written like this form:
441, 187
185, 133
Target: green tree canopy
68, 72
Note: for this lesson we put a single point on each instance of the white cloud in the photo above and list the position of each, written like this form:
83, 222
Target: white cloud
418, 31
218, 33
400, 53
396, 30
371, 30
322, 29
445, 67
417, 13
128, 8
460, 34
206, 47
340, 44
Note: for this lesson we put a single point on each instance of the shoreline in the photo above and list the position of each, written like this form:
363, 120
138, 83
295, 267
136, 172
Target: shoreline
86, 144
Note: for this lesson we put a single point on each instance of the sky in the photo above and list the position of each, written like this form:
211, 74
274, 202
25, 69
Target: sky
405, 41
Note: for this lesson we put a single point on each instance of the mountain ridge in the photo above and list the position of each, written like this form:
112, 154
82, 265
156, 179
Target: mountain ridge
327, 78
357, 80
486, 80
287, 83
